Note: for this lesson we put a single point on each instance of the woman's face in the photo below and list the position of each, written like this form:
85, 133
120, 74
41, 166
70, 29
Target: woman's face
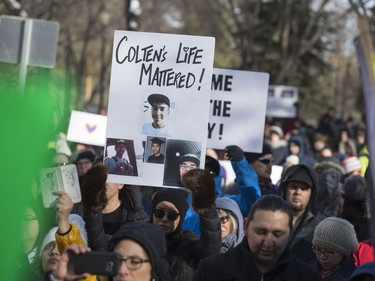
226, 223
327, 258
29, 230
166, 224
137, 257
50, 257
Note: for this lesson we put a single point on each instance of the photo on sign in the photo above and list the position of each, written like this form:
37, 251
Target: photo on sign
182, 156
119, 157
155, 150
157, 116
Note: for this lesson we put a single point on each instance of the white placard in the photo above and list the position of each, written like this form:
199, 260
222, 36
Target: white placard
62, 178
178, 68
87, 128
237, 109
282, 101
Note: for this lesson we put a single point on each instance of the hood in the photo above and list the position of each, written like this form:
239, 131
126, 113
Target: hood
152, 239
231, 206
299, 173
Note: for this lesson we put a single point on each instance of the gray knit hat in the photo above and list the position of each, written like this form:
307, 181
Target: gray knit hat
337, 234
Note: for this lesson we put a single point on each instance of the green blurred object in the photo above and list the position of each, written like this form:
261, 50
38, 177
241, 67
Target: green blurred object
26, 127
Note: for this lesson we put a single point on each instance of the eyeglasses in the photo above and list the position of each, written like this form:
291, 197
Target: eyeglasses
84, 163
224, 219
132, 262
326, 253
265, 161
188, 167
30, 218
171, 215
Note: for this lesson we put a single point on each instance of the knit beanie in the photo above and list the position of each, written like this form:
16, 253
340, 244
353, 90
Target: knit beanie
176, 196
336, 234
152, 239
351, 164
252, 156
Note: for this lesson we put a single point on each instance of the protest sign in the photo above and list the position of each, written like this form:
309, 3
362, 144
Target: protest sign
366, 53
160, 88
282, 101
87, 128
237, 109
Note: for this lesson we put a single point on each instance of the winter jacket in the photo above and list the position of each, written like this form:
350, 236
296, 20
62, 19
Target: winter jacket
238, 265
184, 250
131, 210
72, 237
301, 242
327, 200
364, 253
341, 272
248, 185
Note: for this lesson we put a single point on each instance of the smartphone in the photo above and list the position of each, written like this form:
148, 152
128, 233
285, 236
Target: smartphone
96, 263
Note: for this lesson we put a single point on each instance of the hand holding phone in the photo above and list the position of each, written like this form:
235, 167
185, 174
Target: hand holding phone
96, 263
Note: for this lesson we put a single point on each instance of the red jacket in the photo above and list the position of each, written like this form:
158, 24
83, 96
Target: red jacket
364, 253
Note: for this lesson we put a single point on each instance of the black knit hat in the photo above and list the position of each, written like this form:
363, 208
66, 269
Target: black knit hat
252, 156
152, 239
176, 196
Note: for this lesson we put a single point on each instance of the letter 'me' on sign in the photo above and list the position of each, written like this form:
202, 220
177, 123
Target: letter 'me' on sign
237, 109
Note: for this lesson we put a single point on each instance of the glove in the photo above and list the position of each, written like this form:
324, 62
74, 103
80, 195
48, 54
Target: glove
234, 153
93, 190
202, 186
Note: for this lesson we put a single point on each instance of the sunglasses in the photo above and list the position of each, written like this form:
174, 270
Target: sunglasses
265, 161
171, 215
224, 219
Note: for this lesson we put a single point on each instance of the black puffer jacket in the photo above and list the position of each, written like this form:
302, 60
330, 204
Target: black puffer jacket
185, 250
131, 210
237, 265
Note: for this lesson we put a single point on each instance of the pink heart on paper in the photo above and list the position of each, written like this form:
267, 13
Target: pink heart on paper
90, 128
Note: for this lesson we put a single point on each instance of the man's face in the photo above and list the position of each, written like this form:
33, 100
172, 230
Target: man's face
261, 167
298, 195
268, 235
294, 149
83, 165
155, 148
187, 166
120, 149
159, 110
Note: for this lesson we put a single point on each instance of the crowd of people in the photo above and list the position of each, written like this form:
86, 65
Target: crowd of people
312, 224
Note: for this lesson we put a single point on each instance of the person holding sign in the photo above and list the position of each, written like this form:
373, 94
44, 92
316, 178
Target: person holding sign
117, 164
160, 109
157, 156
